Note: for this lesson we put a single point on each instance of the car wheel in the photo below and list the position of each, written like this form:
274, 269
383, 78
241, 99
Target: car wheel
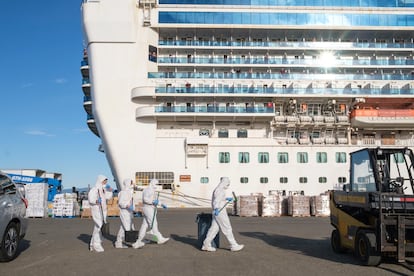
10, 242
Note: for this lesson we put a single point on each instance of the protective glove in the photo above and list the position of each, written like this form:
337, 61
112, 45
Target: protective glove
99, 201
131, 207
216, 211
164, 206
107, 186
155, 202
229, 199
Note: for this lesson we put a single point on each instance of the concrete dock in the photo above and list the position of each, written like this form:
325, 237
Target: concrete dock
273, 246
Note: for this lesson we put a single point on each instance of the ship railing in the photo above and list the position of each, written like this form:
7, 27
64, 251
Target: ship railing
281, 90
272, 60
404, 142
369, 141
279, 76
378, 142
326, 45
213, 109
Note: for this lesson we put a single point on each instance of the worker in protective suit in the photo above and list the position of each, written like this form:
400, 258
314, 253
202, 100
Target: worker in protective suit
97, 201
150, 202
220, 218
126, 209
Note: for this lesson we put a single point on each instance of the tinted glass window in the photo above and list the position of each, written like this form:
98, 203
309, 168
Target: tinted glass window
7, 186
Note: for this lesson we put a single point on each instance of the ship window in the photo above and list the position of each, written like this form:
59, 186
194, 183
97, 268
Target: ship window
303, 180
321, 157
322, 179
341, 180
264, 180
283, 180
283, 157
302, 157
224, 157
263, 157
242, 133
244, 157
244, 180
340, 157
152, 55
223, 133
204, 180
164, 178
204, 132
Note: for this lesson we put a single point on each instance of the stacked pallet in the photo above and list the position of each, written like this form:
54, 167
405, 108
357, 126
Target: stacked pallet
272, 205
112, 207
249, 206
320, 206
65, 206
86, 209
36, 195
298, 206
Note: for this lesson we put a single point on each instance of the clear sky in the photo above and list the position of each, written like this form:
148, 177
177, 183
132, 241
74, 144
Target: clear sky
43, 123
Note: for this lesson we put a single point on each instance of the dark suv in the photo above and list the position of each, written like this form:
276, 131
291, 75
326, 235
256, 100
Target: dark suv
13, 224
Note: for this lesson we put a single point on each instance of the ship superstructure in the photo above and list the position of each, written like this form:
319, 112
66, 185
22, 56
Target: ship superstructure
273, 94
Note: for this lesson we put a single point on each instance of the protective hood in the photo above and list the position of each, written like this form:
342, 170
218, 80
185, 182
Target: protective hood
224, 183
99, 181
126, 184
219, 194
153, 184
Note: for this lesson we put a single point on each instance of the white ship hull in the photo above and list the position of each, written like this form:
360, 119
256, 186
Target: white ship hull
188, 103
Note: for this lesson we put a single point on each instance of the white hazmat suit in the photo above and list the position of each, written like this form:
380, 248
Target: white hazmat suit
97, 201
150, 202
220, 219
126, 207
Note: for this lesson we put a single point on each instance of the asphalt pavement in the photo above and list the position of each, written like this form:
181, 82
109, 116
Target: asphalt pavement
273, 246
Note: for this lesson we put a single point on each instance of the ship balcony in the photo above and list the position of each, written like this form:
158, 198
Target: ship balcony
303, 45
200, 113
92, 125
325, 76
86, 86
87, 104
391, 118
84, 68
264, 90
143, 92
285, 62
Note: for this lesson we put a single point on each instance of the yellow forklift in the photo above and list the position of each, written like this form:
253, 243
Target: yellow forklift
373, 215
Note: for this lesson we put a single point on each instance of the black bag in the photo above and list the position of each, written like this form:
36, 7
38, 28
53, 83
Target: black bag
105, 229
131, 236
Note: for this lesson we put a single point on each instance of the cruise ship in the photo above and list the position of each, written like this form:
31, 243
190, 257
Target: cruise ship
271, 93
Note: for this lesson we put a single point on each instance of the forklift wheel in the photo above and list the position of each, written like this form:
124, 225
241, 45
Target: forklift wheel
336, 242
366, 249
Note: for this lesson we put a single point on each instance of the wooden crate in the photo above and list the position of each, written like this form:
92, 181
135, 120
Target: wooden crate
86, 213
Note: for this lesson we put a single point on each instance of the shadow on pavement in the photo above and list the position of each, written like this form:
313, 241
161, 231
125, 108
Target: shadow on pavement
315, 248
187, 240
24, 245
85, 238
